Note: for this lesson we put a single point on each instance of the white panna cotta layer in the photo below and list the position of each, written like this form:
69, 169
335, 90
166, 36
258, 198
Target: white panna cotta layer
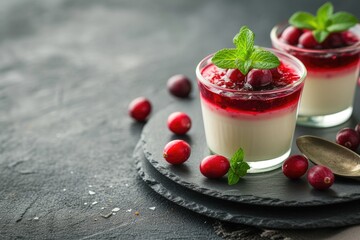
262, 136
328, 93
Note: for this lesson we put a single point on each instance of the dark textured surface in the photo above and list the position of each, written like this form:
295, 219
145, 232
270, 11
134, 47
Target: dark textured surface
271, 188
278, 217
68, 69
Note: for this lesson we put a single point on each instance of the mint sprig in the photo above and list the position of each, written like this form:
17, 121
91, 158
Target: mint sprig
245, 56
238, 167
325, 21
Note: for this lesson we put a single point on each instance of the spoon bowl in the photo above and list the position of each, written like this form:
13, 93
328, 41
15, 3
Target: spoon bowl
341, 160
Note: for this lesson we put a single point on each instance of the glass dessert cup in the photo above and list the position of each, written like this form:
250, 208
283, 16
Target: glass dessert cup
262, 123
328, 95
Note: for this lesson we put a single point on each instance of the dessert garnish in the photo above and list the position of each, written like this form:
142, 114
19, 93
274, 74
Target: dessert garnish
245, 56
214, 166
238, 167
324, 23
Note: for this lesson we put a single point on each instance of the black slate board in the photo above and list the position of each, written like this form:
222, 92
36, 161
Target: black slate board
271, 188
310, 217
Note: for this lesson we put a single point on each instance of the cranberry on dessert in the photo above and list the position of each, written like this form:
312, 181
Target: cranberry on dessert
295, 166
214, 166
291, 35
334, 40
176, 152
179, 123
349, 138
307, 40
259, 78
349, 38
320, 177
140, 108
179, 86
235, 75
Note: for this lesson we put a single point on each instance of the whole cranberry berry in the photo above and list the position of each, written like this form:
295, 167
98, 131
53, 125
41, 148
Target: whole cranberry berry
214, 166
295, 166
320, 177
349, 138
291, 35
179, 86
357, 128
334, 40
139, 109
349, 38
179, 123
176, 152
259, 78
307, 40
235, 75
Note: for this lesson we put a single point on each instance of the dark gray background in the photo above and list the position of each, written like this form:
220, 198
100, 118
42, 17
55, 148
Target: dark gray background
68, 70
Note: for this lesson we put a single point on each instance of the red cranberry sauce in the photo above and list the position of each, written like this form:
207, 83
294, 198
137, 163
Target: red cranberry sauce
246, 99
327, 61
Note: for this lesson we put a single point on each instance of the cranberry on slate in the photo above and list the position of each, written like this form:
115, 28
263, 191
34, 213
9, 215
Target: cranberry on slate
295, 166
320, 177
235, 75
307, 40
349, 138
176, 152
357, 128
214, 166
179, 123
291, 35
259, 78
139, 109
179, 86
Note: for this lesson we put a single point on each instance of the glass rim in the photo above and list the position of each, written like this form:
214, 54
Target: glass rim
294, 85
275, 39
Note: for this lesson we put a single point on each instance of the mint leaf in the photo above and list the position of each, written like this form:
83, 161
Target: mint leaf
263, 59
238, 167
341, 21
325, 21
244, 40
324, 13
303, 20
320, 35
245, 56
226, 58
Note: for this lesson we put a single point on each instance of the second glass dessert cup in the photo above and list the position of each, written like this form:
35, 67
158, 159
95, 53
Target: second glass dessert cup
328, 95
262, 123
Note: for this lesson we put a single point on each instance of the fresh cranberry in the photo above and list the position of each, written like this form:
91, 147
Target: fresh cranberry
291, 35
259, 78
179, 123
235, 75
176, 152
295, 166
349, 38
320, 177
139, 109
275, 73
334, 40
179, 86
307, 40
349, 138
214, 166
357, 128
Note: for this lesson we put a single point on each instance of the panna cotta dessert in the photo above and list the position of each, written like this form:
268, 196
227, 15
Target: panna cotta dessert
255, 111
332, 62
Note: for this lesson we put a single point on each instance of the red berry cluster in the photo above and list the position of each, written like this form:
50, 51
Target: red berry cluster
319, 177
349, 138
304, 38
